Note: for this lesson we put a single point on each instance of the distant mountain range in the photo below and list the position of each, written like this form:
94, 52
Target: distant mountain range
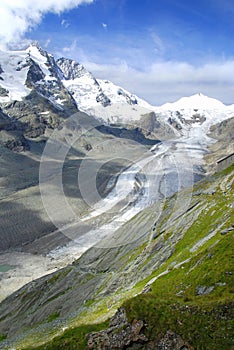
37, 93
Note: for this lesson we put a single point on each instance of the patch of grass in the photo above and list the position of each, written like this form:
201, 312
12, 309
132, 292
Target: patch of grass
89, 302
131, 256
72, 339
58, 276
3, 337
53, 317
208, 268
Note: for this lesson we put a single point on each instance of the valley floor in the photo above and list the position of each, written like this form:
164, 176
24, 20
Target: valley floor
172, 165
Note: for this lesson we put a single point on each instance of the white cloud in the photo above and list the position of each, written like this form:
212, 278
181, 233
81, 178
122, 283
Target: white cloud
19, 16
70, 50
104, 25
47, 42
168, 81
159, 45
65, 23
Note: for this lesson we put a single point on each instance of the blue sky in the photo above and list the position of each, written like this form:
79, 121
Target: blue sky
113, 31
158, 49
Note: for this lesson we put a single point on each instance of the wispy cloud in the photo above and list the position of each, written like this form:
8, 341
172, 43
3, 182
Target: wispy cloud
104, 25
159, 46
65, 23
18, 17
73, 51
70, 49
47, 42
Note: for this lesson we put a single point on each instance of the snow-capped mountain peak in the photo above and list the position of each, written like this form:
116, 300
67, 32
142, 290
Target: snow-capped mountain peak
36, 52
45, 62
194, 115
32, 69
68, 85
197, 101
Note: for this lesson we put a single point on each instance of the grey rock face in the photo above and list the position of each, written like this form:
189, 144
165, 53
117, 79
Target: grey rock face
227, 230
105, 101
130, 99
72, 69
171, 341
119, 335
3, 92
202, 290
34, 75
14, 141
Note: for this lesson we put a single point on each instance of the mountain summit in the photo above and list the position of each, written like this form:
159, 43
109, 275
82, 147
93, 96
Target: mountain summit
197, 101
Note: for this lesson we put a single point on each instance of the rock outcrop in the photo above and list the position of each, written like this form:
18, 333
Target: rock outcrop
170, 341
119, 335
122, 334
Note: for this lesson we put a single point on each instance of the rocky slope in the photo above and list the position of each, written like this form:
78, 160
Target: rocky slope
223, 133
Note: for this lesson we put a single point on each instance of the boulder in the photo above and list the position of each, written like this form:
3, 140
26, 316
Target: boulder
119, 335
